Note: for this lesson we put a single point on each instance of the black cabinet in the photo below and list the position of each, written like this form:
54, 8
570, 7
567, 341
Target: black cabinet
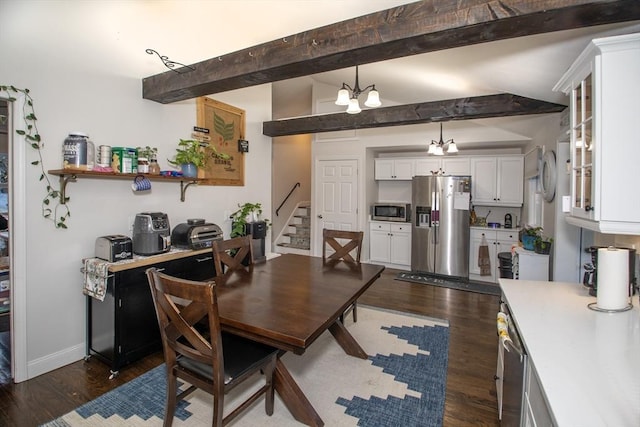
123, 328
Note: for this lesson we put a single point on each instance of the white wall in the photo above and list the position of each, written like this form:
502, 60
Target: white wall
75, 69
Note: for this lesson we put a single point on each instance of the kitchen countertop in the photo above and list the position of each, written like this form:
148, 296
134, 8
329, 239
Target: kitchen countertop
588, 362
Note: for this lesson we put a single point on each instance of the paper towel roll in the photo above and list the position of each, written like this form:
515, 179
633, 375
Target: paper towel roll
613, 279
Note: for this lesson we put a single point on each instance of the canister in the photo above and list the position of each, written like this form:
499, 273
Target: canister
104, 155
78, 152
124, 159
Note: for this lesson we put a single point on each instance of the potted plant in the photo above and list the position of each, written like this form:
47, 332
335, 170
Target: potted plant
147, 152
242, 218
189, 157
542, 244
529, 236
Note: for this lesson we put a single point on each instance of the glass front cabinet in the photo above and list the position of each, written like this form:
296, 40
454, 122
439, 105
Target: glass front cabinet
603, 86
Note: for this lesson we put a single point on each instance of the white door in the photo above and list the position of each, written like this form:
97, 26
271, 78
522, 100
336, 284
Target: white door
336, 198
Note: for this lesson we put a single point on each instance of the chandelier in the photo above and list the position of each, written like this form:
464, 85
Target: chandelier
437, 147
348, 95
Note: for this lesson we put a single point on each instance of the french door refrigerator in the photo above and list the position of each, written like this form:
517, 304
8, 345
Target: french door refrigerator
440, 225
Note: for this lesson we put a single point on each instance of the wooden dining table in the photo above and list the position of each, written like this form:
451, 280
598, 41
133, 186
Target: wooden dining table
288, 302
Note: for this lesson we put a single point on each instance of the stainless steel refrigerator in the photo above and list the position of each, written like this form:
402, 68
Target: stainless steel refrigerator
440, 225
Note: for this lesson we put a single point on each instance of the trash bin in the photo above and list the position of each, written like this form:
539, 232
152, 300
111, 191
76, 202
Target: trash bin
505, 265
258, 231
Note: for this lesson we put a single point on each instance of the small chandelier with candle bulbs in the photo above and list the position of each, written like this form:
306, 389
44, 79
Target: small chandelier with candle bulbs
348, 95
437, 147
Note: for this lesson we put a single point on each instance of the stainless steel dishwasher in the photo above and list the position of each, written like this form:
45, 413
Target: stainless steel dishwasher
510, 372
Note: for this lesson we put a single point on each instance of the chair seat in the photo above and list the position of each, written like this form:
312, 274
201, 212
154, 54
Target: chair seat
240, 356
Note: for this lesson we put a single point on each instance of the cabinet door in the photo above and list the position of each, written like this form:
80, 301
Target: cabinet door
582, 148
510, 183
484, 173
400, 252
383, 168
456, 166
500, 377
379, 247
427, 166
403, 169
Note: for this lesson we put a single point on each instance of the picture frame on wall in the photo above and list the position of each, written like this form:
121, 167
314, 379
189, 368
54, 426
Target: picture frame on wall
226, 125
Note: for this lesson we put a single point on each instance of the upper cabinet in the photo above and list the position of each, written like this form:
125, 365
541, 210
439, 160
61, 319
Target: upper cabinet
448, 165
604, 89
497, 180
394, 168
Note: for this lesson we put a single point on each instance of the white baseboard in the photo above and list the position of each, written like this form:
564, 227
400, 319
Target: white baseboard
54, 361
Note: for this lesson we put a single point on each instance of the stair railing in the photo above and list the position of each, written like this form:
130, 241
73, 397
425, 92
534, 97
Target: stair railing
297, 184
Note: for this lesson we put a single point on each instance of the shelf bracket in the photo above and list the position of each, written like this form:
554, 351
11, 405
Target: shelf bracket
183, 188
64, 179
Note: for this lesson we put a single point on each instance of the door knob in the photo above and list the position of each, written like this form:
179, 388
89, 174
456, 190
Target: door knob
320, 216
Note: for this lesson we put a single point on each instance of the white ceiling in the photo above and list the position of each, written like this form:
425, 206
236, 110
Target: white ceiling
526, 66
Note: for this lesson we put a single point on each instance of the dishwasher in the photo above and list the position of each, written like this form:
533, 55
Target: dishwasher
511, 368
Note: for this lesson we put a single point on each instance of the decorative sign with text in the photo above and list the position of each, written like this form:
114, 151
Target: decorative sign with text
225, 125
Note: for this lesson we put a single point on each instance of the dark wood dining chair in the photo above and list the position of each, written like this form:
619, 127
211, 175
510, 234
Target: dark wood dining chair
343, 244
213, 361
232, 255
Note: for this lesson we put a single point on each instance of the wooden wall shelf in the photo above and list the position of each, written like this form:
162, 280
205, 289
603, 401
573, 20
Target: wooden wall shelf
67, 175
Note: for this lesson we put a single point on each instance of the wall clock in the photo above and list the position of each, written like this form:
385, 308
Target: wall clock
548, 176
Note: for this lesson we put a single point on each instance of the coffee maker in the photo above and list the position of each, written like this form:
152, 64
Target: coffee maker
590, 278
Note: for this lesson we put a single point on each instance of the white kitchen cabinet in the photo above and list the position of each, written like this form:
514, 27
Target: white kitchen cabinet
497, 180
535, 411
390, 243
456, 166
427, 165
604, 89
394, 168
498, 240
448, 165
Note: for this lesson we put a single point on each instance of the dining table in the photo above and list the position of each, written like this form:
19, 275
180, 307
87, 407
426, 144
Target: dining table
288, 302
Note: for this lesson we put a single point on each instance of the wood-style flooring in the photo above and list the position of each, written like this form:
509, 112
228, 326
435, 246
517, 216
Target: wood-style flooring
470, 397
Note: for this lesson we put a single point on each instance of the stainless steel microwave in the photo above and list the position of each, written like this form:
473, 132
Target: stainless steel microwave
400, 212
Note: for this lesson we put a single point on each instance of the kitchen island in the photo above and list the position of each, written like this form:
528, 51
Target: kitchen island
587, 362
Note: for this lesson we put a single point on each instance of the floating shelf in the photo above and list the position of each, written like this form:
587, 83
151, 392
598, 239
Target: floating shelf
67, 175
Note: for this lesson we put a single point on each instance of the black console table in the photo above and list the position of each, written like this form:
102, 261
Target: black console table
123, 328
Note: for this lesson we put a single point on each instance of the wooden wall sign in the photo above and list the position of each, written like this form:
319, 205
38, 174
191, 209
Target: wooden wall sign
226, 125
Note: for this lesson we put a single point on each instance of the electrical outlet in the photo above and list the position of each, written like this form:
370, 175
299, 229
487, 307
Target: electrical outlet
227, 215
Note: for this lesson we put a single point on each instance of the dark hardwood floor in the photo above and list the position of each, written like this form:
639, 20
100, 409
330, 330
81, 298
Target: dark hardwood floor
470, 398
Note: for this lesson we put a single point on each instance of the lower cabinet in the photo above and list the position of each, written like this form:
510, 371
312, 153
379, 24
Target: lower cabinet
123, 328
497, 241
390, 243
535, 411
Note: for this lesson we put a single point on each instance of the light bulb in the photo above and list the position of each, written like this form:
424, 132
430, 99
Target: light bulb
453, 148
343, 97
354, 106
439, 151
373, 99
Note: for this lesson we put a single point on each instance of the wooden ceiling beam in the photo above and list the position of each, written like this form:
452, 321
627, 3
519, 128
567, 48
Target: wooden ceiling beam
410, 29
478, 107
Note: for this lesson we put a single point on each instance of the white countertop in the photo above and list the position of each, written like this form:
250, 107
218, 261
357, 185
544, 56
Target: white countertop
588, 362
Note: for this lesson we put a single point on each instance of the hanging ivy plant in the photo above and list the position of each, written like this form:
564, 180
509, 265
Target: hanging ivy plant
53, 208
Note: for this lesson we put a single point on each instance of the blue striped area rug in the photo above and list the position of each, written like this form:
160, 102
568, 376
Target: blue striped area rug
402, 383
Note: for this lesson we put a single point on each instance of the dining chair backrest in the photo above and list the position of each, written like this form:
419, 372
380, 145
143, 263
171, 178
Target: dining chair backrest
343, 243
192, 342
232, 255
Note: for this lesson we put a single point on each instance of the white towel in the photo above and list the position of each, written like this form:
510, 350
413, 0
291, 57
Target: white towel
96, 274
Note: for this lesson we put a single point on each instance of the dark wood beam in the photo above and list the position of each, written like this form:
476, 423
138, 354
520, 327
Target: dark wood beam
410, 29
479, 107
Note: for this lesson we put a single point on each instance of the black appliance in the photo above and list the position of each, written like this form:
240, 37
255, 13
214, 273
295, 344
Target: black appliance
151, 233
397, 212
508, 221
195, 234
590, 278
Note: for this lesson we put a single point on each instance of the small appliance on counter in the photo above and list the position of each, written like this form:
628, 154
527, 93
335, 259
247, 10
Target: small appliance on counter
508, 221
398, 212
151, 233
195, 234
590, 278
115, 247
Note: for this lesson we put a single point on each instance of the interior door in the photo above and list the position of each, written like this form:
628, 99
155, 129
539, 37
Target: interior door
336, 197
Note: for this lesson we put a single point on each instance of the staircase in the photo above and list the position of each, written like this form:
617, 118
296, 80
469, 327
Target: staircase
296, 238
